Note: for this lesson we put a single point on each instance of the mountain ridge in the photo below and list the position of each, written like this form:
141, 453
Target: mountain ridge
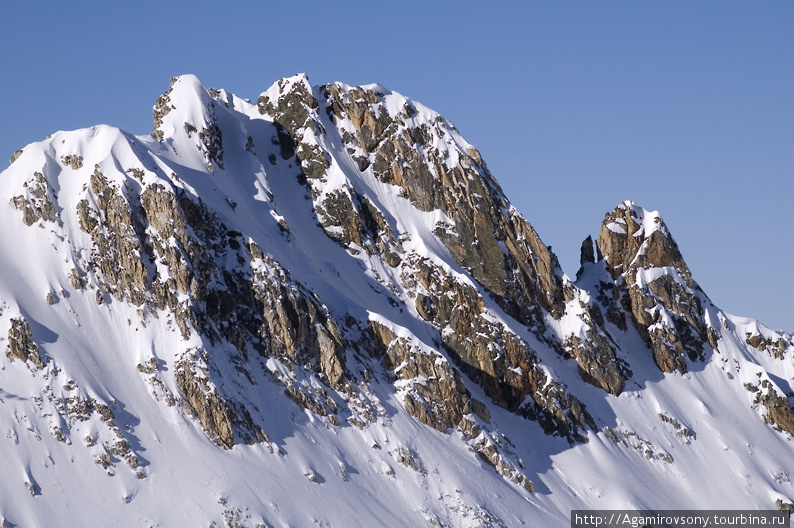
344, 252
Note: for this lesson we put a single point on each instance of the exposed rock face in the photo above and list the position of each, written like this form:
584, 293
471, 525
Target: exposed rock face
776, 347
117, 233
251, 304
655, 285
21, 345
523, 277
598, 364
442, 400
203, 401
778, 412
493, 356
484, 234
652, 286
587, 255
161, 108
435, 394
38, 201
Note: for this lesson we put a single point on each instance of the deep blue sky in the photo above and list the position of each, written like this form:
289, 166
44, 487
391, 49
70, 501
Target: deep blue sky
684, 107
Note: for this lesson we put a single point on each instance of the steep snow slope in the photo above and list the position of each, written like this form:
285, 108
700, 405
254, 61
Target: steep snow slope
320, 309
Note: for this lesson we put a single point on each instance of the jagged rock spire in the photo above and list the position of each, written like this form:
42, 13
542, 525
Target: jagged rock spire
664, 301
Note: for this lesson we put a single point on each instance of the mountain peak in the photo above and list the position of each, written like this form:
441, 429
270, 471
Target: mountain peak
666, 305
648, 221
328, 286
285, 83
633, 238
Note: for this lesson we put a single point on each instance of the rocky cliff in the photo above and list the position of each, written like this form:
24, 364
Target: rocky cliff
655, 286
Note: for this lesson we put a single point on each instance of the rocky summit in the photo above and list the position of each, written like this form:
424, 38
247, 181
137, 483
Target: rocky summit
318, 307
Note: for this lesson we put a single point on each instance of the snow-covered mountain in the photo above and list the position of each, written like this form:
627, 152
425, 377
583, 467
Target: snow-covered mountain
319, 308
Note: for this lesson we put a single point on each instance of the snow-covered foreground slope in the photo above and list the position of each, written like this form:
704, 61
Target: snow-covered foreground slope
319, 309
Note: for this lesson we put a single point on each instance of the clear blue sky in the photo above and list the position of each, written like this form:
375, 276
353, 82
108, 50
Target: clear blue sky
684, 107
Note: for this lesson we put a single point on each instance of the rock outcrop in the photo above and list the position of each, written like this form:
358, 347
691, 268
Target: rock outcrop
484, 234
21, 345
477, 225
655, 285
38, 201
